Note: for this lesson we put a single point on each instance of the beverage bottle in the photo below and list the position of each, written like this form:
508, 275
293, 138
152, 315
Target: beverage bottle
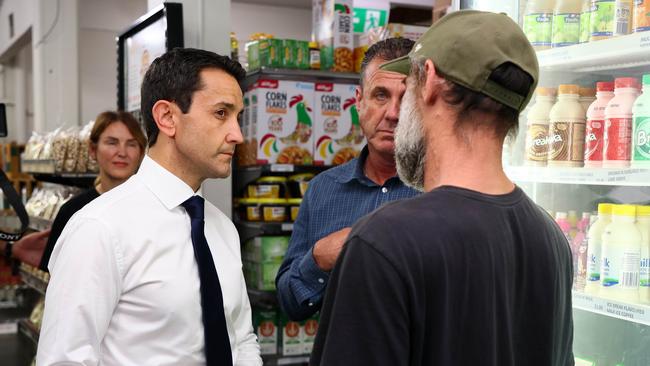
567, 129
624, 14
576, 241
585, 17
643, 224
538, 23
641, 128
573, 219
621, 256
594, 135
566, 23
594, 249
618, 124
602, 19
537, 131
563, 222
583, 248
587, 96
641, 21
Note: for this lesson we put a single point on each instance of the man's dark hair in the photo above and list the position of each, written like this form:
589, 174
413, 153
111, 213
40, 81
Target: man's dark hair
388, 49
468, 101
175, 76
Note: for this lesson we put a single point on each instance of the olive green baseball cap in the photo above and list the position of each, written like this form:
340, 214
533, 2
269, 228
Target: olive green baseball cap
467, 45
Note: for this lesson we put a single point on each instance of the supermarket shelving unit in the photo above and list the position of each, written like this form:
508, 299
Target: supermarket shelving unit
242, 176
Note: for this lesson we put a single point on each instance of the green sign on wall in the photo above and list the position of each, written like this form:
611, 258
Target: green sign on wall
365, 19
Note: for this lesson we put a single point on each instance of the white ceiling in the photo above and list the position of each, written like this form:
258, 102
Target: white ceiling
306, 4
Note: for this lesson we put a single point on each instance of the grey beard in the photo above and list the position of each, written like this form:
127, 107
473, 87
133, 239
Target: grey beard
410, 147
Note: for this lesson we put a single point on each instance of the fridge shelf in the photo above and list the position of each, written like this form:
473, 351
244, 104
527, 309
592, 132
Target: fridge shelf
636, 177
625, 52
635, 313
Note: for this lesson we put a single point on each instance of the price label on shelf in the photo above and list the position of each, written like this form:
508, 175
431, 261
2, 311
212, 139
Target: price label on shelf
282, 168
632, 312
287, 227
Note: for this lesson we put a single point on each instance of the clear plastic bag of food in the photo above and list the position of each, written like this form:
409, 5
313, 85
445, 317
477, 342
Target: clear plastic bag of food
84, 146
47, 152
59, 147
72, 150
34, 146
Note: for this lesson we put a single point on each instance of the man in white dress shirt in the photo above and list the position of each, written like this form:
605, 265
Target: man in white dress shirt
125, 288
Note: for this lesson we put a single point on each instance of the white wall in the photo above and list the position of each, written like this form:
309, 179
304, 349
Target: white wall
100, 23
282, 22
24, 14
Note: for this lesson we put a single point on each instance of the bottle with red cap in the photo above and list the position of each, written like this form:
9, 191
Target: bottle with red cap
617, 150
596, 124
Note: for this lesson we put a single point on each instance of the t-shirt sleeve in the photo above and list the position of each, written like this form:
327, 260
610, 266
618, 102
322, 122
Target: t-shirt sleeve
365, 319
65, 213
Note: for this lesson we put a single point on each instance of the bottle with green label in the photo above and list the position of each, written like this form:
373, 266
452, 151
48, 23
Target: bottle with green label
585, 17
538, 21
641, 126
566, 23
602, 20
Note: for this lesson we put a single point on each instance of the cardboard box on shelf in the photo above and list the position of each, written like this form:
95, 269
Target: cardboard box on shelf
261, 276
337, 133
332, 28
267, 328
266, 249
281, 122
291, 334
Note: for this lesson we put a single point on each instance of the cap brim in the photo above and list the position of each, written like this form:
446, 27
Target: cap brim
401, 65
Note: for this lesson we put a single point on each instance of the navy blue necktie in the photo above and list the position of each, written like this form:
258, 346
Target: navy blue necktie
217, 343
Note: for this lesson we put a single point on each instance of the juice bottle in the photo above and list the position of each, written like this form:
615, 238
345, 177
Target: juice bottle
594, 249
602, 19
587, 96
618, 124
624, 14
538, 23
594, 134
643, 224
567, 129
641, 133
581, 244
641, 21
566, 23
585, 17
621, 255
537, 131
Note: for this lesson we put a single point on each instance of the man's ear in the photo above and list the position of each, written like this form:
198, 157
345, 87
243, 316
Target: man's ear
358, 95
432, 83
163, 115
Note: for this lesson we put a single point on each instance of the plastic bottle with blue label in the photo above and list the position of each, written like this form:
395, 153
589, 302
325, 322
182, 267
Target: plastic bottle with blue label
594, 248
538, 23
641, 124
621, 256
566, 23
643, 224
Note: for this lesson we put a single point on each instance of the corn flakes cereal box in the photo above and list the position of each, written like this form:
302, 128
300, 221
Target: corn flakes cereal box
338, 137
282, 117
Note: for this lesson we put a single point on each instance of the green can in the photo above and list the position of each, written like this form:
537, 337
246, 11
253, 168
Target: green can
302, 55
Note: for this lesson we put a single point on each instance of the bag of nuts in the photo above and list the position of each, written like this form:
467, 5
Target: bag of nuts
72, 150
84, 146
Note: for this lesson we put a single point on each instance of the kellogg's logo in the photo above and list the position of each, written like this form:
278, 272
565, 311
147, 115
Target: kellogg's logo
267, 84
324, 87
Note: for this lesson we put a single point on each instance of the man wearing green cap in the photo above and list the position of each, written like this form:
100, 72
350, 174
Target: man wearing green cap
472, 272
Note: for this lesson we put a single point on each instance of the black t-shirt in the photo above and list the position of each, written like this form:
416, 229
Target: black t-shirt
68, 209
450, 278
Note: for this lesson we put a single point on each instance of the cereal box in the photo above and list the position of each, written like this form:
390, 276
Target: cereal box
309, 329
266, 248
266, 327
337, 133
332, 27
291, 332
282, 122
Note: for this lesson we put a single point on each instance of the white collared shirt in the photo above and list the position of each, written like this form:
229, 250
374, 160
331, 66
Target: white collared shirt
124, 287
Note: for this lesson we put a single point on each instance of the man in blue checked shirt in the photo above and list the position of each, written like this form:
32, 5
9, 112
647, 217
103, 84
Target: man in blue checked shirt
340, 196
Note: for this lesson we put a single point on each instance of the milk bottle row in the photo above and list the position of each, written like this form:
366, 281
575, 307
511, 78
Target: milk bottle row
610, 130
559, 23
612, 252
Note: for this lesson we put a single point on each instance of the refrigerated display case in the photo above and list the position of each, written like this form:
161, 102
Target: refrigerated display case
608, 331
